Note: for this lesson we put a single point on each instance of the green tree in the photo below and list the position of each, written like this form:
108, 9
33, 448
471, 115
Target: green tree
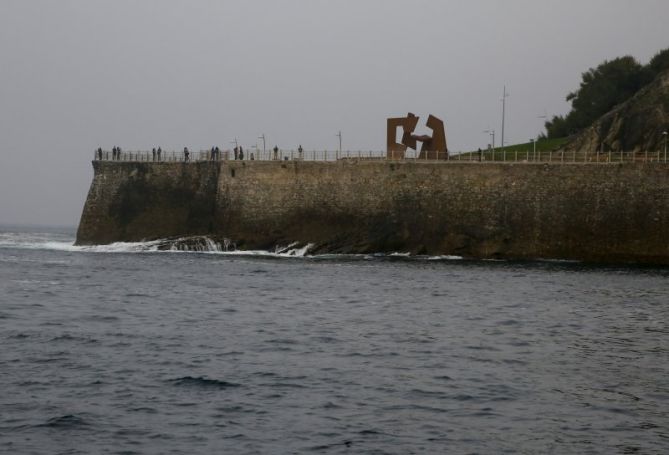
659, 63
601, 88
557, 127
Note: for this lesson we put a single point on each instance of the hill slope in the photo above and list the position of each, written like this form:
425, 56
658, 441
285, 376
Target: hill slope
633, 126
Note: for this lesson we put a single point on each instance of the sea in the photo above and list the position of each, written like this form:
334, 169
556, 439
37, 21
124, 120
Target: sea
125, 349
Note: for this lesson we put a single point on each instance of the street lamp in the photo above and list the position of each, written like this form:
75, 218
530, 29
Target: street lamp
664, 133
544, 119
505, 95
534, 149
262, 136
339, 136
492, 134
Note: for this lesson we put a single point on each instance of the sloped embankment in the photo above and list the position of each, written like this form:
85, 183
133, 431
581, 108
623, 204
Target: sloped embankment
634, 126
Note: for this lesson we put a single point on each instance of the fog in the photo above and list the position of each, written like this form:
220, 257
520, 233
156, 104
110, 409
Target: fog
75, 75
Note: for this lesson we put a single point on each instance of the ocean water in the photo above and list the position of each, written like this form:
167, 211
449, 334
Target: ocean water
123, 349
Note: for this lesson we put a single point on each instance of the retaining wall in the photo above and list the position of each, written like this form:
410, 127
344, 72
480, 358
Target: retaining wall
591, 212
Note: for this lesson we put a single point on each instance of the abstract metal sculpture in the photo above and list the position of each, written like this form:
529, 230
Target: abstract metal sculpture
432, 148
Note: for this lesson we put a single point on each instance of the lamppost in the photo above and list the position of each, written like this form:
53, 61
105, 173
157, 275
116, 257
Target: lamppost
544, 119
534, 149
664, 133
262, 136
492, 134
339, 136
505, 95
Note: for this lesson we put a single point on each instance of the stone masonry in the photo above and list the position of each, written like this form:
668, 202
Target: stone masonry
590, 212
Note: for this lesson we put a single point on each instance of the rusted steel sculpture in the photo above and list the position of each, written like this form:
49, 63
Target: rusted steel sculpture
432, 148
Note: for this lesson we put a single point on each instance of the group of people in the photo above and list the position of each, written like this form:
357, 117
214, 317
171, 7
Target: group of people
214, 154
238, 152
116, 153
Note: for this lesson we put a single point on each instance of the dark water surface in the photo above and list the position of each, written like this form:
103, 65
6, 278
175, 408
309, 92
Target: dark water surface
112, 350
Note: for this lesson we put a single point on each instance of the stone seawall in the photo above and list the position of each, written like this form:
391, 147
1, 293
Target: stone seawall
591, 212
138, 201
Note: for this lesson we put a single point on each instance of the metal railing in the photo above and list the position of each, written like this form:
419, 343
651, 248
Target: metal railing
505, 156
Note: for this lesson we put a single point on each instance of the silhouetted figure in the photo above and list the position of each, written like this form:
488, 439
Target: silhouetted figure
118, 153
252, 157
236, 150
217, 151
99, 152
480, 154
299, 151
241, 153
114, 153
159, 152
186, 154
154, 153
276, 152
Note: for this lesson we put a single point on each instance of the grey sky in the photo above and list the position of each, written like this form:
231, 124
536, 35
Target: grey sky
75, 75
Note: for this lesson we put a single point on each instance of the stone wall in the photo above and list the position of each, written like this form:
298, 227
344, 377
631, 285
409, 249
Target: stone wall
592, 212
143, 201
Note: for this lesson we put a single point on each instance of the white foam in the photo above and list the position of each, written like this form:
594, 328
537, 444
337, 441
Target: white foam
53, 242
445, 257
200, 245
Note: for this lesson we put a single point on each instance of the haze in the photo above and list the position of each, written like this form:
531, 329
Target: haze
75, 75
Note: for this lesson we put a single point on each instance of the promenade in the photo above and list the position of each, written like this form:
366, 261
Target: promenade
510, 156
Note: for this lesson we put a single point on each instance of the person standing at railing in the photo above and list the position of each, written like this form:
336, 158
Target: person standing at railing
118, 153
480, 154
276, 153
300, 150
236, 152
153, 152
114, 153
186, 154
99, 152
159, 152
218, 153
241, 153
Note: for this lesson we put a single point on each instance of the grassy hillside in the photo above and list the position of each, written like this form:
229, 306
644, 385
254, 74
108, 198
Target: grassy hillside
543, 145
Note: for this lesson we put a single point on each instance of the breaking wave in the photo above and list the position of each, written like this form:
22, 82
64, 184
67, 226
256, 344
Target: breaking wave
192, 244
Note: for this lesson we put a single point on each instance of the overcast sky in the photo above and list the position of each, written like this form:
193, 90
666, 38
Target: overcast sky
78, 74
